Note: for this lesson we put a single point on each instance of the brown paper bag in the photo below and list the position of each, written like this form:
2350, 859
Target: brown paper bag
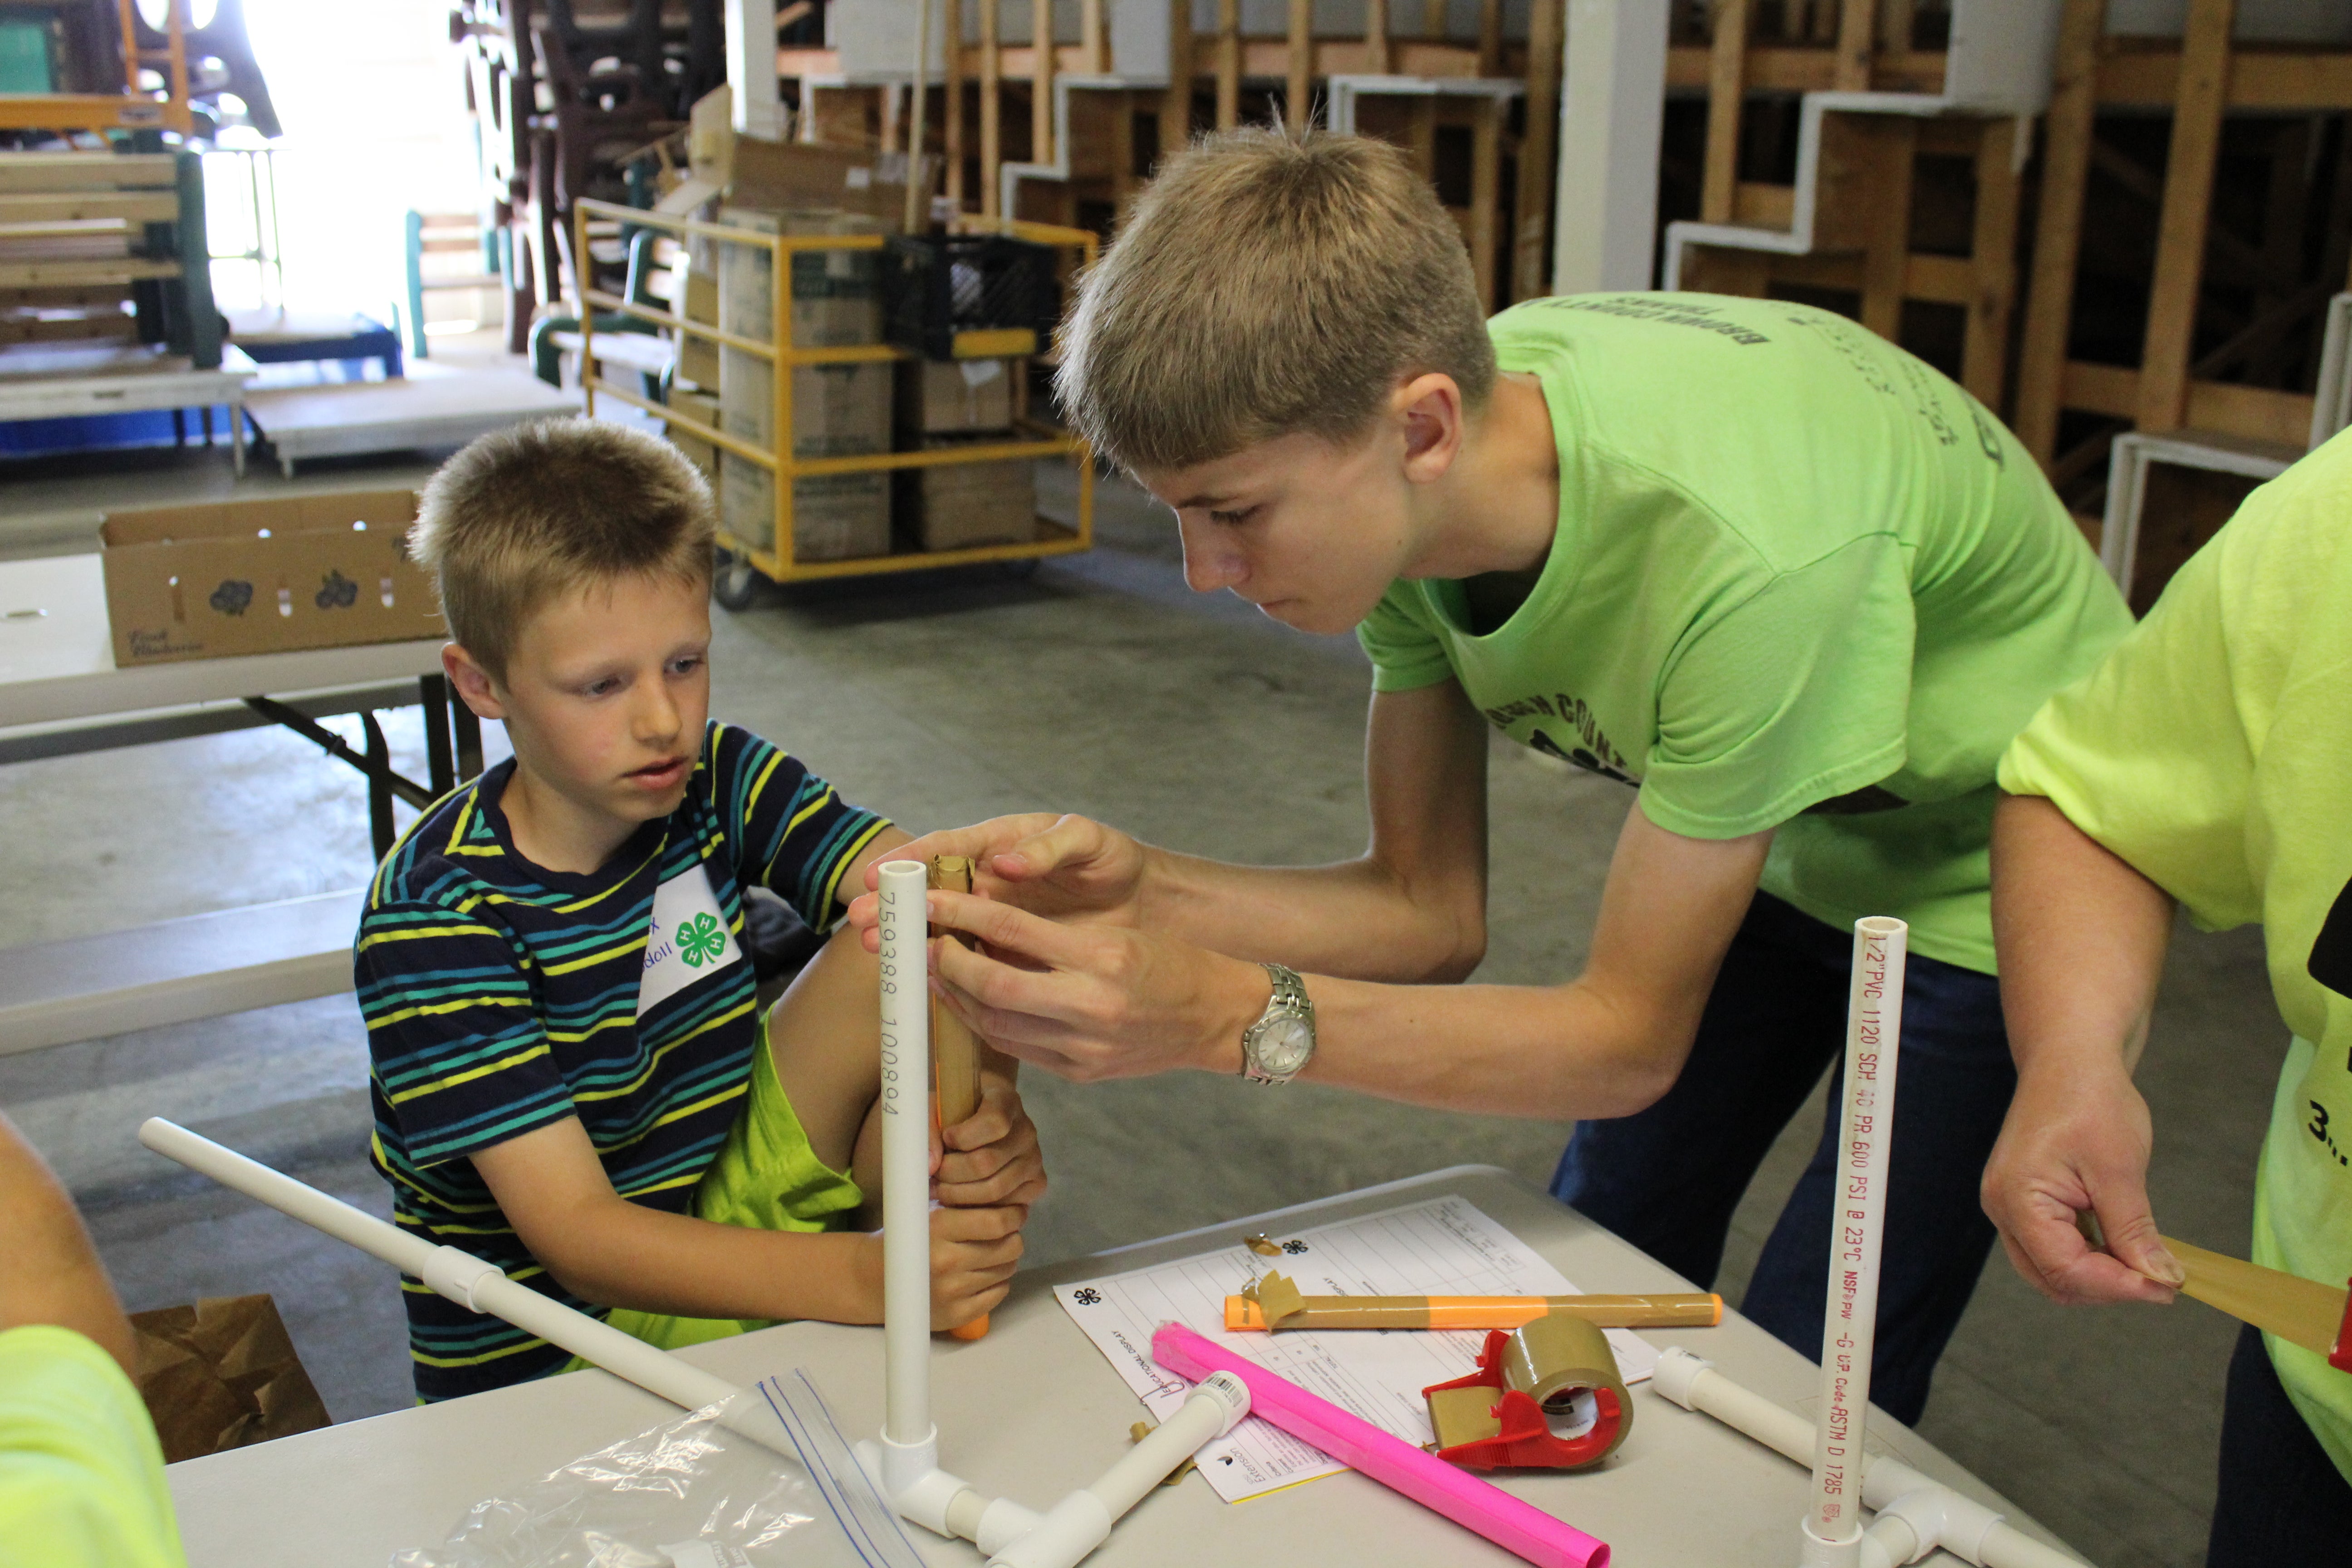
220, 1375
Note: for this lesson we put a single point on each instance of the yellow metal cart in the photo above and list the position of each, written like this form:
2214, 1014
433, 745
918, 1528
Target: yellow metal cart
129, 109
1036, 440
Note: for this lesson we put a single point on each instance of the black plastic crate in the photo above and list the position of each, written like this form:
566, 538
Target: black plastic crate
969, 296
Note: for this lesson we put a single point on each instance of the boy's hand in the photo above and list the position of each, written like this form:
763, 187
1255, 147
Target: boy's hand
1064, 868
973, 1254
992, 1158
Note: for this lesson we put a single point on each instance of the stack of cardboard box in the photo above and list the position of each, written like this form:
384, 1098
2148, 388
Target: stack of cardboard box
838, 410
957, 506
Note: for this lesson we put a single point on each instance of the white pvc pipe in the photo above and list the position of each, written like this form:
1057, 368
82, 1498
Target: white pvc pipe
1917, 1515
1874, 1031
461, 1277
1082, 1520
910, 1442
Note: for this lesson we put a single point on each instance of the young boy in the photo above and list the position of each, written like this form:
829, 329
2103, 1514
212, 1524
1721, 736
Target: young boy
1793, 587
2208, 760
570, 1073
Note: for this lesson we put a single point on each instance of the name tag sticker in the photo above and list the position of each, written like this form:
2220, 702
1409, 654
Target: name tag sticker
688, 939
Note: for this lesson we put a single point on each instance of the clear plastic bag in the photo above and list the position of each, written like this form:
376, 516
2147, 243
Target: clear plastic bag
760, 1481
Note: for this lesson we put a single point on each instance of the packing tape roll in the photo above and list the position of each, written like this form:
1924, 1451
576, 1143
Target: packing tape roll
1560, 1362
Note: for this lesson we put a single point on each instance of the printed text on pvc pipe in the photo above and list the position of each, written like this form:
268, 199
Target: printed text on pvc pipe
1838, 1419
890, 1012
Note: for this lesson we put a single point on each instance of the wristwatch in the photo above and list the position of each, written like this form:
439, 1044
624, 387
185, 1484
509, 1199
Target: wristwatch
1275, 1048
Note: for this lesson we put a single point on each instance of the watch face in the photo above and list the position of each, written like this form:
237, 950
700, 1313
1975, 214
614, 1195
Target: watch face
1283, 1046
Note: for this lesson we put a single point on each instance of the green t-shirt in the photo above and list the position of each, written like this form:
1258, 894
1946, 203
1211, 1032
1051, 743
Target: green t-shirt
2213, 752
1793, 563
81, 1477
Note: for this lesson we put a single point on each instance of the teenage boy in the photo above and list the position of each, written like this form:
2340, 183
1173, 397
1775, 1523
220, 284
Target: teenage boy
1793, 587
571, 1075
2207, 762
81, 1476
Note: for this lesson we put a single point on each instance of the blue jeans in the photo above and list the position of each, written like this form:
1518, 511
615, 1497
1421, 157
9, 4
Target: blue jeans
2283, 1501
1668, 1178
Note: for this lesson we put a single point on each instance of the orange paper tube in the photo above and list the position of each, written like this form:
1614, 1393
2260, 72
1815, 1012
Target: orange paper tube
1683, 1310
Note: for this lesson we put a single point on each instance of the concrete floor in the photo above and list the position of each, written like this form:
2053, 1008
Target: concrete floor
1099, 686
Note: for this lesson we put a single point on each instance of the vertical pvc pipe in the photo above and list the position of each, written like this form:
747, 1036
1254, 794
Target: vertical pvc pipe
906, 1166
1832, 1526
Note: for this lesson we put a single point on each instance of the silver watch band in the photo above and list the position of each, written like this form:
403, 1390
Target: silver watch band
1289, 1002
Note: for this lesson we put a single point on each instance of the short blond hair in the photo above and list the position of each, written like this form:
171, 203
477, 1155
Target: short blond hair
531, 513
1263, 287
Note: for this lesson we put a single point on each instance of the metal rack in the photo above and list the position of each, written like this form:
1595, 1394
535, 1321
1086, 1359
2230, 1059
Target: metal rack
1042, 441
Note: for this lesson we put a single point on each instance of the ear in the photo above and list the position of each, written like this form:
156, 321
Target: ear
1429, 409
472, 682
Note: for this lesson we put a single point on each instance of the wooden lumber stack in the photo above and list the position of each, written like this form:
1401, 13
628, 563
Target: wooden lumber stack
2195, 218
106, 247
1067, 131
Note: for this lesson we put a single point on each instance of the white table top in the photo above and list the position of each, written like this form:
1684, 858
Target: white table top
60, 664
1032, 1412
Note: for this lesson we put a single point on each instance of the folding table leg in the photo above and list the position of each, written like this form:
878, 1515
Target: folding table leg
439, 773
378, 775
468, 732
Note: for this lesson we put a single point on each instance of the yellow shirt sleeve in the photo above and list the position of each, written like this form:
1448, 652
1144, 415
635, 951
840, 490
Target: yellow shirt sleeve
2150, 753
81, 1476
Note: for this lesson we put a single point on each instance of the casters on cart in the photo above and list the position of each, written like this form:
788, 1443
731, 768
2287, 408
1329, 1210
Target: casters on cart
735, 583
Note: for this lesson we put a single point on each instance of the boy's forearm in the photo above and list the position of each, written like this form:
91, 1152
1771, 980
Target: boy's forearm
626, 1254
2081, 938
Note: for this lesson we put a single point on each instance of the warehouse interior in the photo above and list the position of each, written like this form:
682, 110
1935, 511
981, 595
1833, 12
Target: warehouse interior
307, 253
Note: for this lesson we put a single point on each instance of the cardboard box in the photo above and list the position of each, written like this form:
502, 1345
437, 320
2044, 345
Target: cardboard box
961, 505
698, 358
838, 410
781, 175
261, 577
702, 406
957, 398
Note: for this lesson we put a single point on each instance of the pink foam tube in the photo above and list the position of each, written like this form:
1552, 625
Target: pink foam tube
1515, 1526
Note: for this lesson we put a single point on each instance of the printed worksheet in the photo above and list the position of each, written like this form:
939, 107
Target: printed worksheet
1444, 1247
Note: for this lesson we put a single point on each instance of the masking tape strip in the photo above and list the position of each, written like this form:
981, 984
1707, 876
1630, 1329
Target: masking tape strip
1274, 1302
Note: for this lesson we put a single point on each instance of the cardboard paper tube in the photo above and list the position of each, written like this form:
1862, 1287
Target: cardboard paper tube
1675, 1309
955, 1049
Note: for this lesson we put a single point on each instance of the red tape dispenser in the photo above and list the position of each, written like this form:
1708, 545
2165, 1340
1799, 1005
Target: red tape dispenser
1546, 1396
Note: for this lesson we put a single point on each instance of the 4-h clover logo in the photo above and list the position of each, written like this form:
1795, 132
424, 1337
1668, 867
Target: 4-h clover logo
700, 940
1086, 1296
1294, 1247
336, 592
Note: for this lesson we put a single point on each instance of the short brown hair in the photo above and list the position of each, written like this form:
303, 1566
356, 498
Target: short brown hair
1263, 287
530, 513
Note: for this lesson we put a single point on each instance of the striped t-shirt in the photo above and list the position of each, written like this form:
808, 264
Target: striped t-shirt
501, 997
